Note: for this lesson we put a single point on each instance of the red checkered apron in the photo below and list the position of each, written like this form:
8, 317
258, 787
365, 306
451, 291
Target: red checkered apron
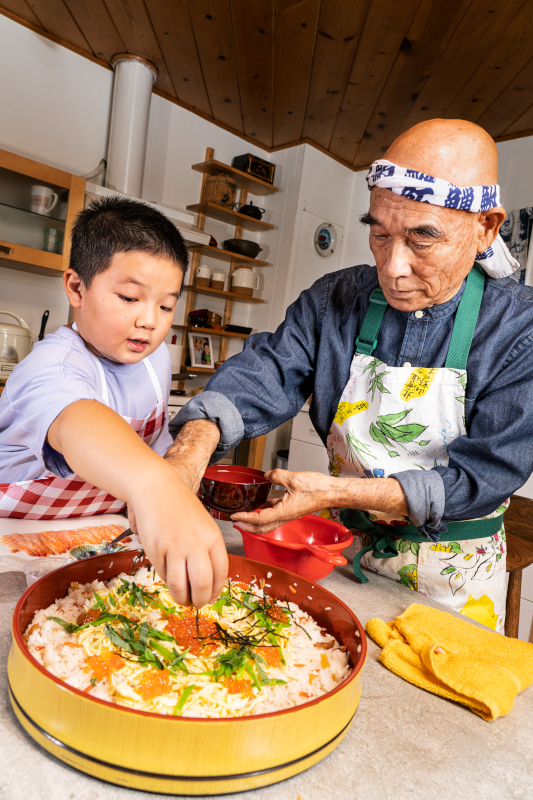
50, 497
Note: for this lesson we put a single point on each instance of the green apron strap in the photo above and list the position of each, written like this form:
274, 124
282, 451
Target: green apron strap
466, 319
383, 537
367, 341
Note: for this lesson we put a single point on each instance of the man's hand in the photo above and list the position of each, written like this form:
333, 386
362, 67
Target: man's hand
189, 455
307, 492
181, 539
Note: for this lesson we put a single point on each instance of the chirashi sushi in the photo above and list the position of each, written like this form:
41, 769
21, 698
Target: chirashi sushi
125, 641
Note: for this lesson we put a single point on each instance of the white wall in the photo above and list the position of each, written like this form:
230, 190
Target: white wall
515, 172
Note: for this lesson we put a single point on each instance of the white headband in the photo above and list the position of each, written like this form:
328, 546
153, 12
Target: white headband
497, 261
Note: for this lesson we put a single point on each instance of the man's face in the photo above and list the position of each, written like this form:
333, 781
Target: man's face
197, 344
127, 310
422, 252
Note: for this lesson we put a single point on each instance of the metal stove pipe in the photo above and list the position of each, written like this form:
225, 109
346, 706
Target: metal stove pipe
128, 132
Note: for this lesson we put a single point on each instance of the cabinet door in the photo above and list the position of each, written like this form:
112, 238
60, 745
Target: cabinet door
302, 429
307, 457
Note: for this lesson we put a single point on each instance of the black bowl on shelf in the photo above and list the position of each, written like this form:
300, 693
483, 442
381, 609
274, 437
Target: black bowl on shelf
198, 319
243, 247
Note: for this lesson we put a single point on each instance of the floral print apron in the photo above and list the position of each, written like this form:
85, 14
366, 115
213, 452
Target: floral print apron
51, 497
391, 419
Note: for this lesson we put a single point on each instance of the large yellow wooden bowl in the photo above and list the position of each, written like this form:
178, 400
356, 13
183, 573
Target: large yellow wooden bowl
180, 755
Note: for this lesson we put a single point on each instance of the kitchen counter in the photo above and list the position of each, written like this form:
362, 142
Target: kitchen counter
403, 742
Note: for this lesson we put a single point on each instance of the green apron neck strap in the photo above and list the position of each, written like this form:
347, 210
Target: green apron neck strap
367, 341
466, 319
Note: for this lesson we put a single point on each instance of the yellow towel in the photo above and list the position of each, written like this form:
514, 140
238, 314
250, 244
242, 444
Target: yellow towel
478, 668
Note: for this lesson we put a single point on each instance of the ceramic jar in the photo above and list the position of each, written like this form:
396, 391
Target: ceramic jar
244, 281
203, 275
218, 280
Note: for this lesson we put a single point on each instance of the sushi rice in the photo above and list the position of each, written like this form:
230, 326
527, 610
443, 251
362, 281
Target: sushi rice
223, 678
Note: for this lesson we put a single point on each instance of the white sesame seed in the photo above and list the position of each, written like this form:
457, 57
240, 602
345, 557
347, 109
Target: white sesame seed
267, 584
309, 597
110, 565
328, 608
269, 574
356, 633
100, 571
358, 648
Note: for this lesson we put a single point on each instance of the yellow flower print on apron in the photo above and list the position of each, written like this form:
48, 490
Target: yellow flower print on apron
391, 419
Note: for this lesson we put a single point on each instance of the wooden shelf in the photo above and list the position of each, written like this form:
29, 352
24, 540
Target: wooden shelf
230, 217
253, 185
225, 255
199, 369
222, 293
211, 331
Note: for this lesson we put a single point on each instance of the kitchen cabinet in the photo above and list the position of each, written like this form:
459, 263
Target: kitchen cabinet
31, 241
306, 451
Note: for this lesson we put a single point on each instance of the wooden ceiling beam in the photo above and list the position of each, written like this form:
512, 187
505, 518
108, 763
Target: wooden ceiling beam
295, 27
504, 61
21, 9
55, 18
213, 31
386, 24
94, 21
339, 27
253, 32
512, 104
174, 32
427, 37
135, 29
474, 37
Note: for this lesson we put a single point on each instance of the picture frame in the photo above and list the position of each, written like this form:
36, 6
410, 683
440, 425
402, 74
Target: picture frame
201, 351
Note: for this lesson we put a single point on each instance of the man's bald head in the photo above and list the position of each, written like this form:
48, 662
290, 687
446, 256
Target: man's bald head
453, 149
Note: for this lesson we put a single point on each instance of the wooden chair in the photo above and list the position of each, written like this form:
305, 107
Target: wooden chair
519, 534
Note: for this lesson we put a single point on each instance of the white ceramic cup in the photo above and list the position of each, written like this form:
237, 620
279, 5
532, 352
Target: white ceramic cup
43, 199
245, 278
203, 271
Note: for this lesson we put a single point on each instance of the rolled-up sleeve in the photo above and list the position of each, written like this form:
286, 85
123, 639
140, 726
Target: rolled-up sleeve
217, 408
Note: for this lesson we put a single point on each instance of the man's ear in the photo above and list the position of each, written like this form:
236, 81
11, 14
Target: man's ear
490, 223
73, 287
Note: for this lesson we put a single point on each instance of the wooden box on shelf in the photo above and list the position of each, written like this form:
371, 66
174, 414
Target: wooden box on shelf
24, 234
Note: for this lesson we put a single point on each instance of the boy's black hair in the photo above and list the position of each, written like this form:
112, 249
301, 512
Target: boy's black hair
118, 224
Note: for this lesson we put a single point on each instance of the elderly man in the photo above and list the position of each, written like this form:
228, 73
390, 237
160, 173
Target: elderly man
421, 371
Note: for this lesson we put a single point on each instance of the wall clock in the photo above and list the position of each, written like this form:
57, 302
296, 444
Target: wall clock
325, 239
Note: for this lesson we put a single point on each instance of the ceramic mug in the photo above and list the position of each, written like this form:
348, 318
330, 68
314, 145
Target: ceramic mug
244, 281
217, 280
43, 199
203, 275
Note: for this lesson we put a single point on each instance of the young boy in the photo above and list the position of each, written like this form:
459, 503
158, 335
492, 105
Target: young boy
83, 422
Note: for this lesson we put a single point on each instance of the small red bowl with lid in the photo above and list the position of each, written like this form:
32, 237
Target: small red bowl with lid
310, 546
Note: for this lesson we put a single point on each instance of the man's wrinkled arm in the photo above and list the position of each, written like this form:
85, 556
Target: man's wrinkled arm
192, 450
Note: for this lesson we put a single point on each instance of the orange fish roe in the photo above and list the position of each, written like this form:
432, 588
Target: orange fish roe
88, 616
183, 629
240, 585
235, 686
277, 613
271, 655
102, 666
153, 683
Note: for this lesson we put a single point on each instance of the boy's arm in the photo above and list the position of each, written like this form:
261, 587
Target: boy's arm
183, 542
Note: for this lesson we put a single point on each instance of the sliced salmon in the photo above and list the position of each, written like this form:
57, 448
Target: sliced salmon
53, 543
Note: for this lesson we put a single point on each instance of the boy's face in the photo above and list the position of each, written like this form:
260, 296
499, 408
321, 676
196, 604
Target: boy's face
127, 310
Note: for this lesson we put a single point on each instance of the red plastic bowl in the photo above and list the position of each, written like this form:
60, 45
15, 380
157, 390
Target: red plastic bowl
310, 546
226, 490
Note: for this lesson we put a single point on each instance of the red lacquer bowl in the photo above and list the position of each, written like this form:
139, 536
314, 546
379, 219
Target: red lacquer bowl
226, 490
310, 546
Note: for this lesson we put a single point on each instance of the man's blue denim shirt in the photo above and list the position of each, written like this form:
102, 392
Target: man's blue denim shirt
311, 351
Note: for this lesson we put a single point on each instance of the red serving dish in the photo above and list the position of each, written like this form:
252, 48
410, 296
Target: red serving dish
310, 546
226, 490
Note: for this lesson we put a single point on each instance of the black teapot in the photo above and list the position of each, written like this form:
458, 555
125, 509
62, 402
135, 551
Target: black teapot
252, 211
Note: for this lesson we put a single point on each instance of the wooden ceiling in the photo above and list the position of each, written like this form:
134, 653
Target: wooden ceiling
345, 75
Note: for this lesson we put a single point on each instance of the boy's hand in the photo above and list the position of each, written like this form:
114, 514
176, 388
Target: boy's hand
186, 548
